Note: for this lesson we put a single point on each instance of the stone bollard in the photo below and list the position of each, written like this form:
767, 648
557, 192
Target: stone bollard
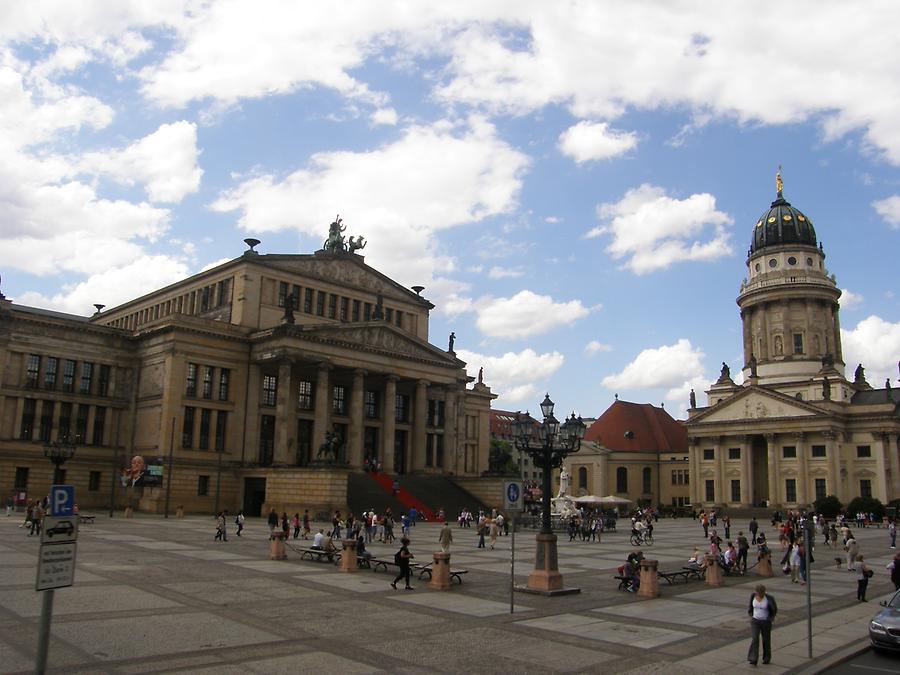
713, 571
764, 567
440, 572
649, 579
348, 556
129, 512
276, 548
179, 512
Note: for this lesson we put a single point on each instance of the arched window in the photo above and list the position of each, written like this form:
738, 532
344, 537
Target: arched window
621, 479
647, 480
582, 478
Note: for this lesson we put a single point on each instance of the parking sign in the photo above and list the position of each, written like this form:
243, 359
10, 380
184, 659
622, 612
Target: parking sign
62, 500
512, 496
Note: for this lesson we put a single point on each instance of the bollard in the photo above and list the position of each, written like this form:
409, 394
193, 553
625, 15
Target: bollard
276, 548
440, 572
649, 579
179, 513
764, 567
713, 571
348, 556
129, 512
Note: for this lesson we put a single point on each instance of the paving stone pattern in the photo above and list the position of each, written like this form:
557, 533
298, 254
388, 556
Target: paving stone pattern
155, 595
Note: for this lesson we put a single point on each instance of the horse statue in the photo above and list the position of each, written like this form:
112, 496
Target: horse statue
357, 245
335, 241
329, 449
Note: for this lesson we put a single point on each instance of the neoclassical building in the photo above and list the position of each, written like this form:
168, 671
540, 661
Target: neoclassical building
796, 429
262, 382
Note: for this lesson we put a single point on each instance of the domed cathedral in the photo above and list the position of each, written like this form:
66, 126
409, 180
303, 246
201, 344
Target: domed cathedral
795, 429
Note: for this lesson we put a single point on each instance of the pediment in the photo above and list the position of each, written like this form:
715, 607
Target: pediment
382, 337
757, 403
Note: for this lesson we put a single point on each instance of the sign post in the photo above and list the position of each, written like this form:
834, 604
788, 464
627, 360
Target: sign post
512, 504
56, 561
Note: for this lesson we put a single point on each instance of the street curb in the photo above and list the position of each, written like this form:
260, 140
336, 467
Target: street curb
835, 657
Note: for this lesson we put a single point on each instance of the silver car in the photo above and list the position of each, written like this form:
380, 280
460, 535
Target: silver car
884, 629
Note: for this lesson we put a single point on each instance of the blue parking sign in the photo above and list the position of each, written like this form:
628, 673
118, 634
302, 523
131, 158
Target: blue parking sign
62, 500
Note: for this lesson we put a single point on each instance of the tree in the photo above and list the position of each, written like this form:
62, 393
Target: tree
829, 506
500, 459
865, 505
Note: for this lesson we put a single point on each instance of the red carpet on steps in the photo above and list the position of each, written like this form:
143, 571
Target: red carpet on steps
405, 497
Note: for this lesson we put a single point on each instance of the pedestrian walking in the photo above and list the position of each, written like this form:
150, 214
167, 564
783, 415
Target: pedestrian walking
445, 538
306, 529
892, 530
220, 526
852, 549
402, 558
894, 570
285, 525
762, 611
273, 522
494, 529
239, 521
743, 546
10, 502
295, 523
863, 574
481, 527
754, 528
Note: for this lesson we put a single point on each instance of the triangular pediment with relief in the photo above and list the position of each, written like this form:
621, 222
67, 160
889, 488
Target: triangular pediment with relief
346, 269
757, 403
380, 337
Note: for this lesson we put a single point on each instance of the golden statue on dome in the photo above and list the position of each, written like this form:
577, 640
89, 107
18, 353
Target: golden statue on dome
779, 184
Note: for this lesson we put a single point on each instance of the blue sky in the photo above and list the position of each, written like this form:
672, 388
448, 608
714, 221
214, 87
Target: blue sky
575, 184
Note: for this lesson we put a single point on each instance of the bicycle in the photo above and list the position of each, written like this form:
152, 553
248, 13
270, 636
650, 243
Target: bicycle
641, 539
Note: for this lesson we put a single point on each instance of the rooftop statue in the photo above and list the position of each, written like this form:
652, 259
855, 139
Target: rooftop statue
335, 242
358, 245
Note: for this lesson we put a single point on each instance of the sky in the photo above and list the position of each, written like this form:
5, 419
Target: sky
575, 184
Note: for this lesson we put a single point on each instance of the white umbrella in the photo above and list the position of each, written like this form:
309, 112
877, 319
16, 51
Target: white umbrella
612, 499
588, 499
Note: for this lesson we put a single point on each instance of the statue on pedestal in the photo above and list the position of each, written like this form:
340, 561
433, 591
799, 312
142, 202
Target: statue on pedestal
563, 483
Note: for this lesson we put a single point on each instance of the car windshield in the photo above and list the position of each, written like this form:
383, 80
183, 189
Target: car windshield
894, 601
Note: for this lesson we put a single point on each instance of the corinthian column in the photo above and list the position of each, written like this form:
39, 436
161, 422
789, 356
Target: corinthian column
355, 442
420, 410
388, 423
322, 406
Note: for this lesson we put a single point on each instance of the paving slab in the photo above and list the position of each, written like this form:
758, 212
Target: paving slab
449, 601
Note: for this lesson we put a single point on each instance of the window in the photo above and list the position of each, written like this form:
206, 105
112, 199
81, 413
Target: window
221, 426
709, 454
355, 315
818, 451
206, 386
439, 450
865, 488
798, 343
50, 373
282, 293
734, 453
46, 420
87, 377
370, 443
187, 428
647, 480
344, 308
68, 384
367, 311
320, 303
99, 426
435, 417
790, 490
266, 440
205, 420
223, 292
190, 388
270, 390
399, 318
710, 490
103, 381
789, 452
332, 306
307, 300
863, 451
338, 400
26, 432
621, 479
389, 315
32, 370
224, 377
202, 486
735, 490
81, 418
680, 477
820, 488
401, 408
370, 404
94, 481
21, 483
305, 395
204, 300
582, 478
65, 419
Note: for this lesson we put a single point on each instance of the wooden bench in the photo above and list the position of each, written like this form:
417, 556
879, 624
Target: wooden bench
319, 554
383, 563
675, 577
624, 582
455, 575
692, 572
86, 519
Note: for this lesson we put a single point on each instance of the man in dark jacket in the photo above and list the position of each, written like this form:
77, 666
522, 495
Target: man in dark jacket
762, 611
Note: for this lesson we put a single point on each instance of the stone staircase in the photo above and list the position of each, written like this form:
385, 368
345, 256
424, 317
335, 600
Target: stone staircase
427, 493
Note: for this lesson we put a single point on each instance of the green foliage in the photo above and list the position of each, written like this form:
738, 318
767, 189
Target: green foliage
866, 505
829, 506
500, 459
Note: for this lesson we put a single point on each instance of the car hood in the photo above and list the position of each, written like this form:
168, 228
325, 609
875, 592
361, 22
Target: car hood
889, 617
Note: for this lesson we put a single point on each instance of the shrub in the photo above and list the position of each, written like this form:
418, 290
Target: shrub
867, 505
829, 506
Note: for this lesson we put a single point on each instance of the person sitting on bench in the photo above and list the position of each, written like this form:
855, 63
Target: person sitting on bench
632, 579
319, 540
361, 551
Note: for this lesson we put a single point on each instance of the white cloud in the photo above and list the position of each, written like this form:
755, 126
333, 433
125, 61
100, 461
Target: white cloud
667, 367
653, 230
850, 300
398, 196
595, 347
386, 116
526, 314
875, 343
889, 210
111, 286
165, 162
504, 273
595, 140
515, 376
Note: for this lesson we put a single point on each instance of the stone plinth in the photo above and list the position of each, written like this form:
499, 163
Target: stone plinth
713, 571
129, 512
764, 567
276, 549
546, 579
179, 512
440, 572
348, 556
649, 579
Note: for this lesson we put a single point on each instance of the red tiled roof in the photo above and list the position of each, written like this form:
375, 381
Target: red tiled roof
651, 429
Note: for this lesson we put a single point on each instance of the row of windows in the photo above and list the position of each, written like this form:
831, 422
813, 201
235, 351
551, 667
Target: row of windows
646, 480
203, 433
790, 489
207, 375
64, 374
211, 296
72, 422
787, 451
21, 479
331, 305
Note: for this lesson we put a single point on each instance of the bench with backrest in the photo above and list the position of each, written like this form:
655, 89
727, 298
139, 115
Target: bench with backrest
455, 575
85, 519
384, 563
676, 576
319, 554
625, 583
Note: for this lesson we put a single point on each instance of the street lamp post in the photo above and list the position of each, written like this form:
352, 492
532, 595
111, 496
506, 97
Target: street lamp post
59, 452
547, 449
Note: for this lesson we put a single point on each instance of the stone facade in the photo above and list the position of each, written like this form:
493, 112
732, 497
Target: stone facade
239, 374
